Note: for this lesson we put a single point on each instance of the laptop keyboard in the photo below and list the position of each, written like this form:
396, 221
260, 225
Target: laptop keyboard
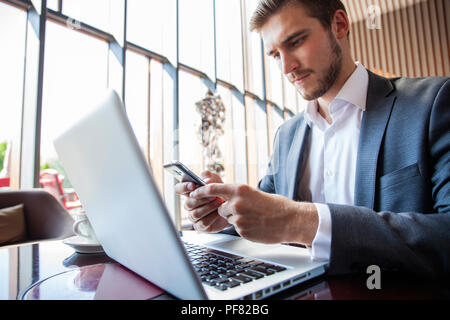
223, 270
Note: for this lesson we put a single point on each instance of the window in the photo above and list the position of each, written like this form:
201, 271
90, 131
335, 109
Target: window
257, 140
95, 13
191, 90
12, 36
75, 76
137, 96
234, 143
253, 54
196, 27
215, 49
52, 4
152, 24
157, 128
262, 138
229, 42
105, 15
274, 81
191, 152
239, 139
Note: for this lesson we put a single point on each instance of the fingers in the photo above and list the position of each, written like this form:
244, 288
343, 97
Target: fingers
225, 211
184, 188
204, 210
211, 223
191, 204
205, 224
213, 189
210, 177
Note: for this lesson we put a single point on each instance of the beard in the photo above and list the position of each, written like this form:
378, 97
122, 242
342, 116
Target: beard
328, 77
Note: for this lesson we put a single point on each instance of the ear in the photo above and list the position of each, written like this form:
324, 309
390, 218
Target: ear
340, 24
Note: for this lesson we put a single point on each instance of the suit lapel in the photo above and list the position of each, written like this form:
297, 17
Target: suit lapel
296, 157
373, 126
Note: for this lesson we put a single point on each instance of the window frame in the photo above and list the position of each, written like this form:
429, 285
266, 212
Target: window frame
118, 46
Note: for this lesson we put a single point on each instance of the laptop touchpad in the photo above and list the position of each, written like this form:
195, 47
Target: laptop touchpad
286, 255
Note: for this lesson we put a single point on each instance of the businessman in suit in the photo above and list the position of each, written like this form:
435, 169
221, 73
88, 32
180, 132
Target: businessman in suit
361, 177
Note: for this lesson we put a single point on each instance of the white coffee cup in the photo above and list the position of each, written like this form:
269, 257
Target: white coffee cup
83, 228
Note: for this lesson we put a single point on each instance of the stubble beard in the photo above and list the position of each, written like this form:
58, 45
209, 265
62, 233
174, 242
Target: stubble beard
330, 75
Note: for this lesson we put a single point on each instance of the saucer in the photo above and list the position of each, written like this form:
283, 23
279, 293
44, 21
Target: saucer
82, 245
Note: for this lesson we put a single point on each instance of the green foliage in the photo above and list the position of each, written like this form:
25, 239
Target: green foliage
3, 147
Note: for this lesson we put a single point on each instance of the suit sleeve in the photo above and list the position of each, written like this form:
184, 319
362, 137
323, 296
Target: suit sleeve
409, 242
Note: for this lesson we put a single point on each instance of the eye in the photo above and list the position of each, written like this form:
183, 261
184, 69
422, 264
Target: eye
276, 56
297, 42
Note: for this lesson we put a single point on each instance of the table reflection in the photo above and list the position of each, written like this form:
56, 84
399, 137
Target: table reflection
52, 270
109, 281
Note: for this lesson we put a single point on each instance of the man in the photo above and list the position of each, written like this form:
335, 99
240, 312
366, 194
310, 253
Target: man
362, 177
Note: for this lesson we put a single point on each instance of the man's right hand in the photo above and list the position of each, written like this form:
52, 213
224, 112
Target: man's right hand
203, 212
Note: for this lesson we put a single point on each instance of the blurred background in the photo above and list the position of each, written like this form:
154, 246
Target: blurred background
162, 57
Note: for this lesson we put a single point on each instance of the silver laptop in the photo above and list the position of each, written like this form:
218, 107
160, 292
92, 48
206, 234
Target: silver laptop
113, 180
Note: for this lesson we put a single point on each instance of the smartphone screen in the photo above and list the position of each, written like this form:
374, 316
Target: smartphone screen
183, 173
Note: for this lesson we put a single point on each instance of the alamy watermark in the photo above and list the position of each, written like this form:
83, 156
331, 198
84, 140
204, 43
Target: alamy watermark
73, 24
373, 17
374, 280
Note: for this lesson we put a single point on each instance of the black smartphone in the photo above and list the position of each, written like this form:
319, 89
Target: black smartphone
183, 173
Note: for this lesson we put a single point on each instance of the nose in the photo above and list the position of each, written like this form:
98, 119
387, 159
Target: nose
288, 63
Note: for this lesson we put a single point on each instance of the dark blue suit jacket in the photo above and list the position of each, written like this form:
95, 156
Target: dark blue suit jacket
401, 217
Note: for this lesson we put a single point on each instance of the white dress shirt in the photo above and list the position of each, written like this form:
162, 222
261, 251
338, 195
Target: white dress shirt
330, 169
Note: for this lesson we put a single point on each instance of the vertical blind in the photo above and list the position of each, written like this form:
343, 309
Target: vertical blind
401, 37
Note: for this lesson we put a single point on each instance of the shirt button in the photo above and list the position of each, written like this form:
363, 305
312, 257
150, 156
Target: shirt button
330, 173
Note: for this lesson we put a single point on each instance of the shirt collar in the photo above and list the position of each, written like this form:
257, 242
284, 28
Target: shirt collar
354, 90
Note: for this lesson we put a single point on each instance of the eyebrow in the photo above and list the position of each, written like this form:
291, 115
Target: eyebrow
290, 37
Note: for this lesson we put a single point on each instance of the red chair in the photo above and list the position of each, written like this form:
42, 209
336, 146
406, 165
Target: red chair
51, 181
4, 182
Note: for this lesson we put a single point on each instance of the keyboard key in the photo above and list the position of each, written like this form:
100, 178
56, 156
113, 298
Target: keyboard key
246, 260
277, 268
211, 277
266, 265
250, 273
242, 278
242, 266
262, 270
233, 283
223, 254
222, 287
218, 281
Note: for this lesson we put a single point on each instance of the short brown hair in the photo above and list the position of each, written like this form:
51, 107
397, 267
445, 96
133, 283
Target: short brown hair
323, 10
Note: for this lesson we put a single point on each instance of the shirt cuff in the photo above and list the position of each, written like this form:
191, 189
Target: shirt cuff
321, 245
